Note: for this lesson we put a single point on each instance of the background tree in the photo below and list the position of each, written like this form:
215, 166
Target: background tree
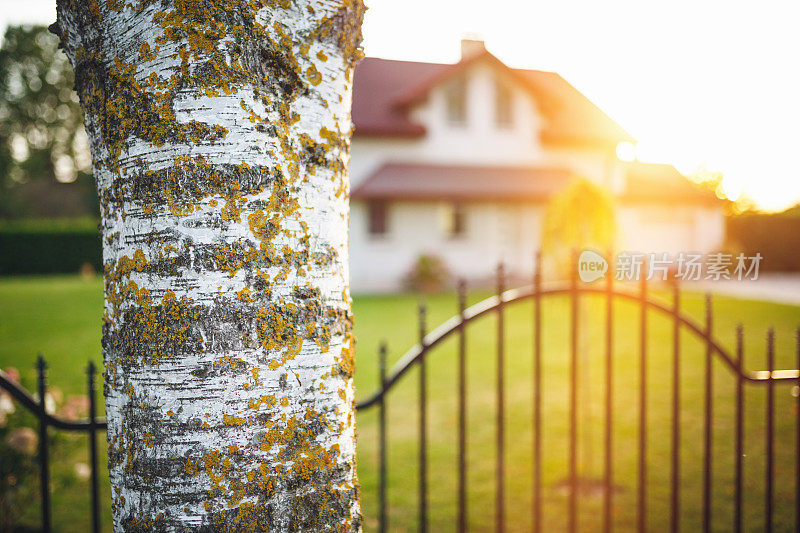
220, 142
42, 139
580, 217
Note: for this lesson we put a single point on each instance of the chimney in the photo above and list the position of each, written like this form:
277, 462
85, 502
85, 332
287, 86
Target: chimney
471, 46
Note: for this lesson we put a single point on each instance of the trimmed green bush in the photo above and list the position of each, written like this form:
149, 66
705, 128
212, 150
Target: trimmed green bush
775, 236
429, 275
49, 246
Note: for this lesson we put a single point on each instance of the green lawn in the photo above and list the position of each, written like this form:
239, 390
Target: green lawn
60, 316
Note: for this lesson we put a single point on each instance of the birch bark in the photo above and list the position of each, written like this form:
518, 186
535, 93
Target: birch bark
220, 141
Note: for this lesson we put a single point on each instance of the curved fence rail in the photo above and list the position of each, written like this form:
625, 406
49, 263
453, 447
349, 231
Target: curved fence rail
496, 305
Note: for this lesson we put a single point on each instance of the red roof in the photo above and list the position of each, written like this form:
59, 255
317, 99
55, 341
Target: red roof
377, 84
448, 182
384, 89
646, 183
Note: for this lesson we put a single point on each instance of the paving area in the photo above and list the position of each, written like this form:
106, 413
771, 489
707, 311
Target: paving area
778, 288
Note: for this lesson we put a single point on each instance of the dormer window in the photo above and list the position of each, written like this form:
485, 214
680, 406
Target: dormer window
503, 106
457, 102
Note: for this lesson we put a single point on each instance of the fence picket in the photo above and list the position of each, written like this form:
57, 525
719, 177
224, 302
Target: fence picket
536, 520
708, 435
462, 409
44, 454
675, 480
770, 451
500, 437
423, 424
738, 493
642, 481
608, 476
572, 502
90, 386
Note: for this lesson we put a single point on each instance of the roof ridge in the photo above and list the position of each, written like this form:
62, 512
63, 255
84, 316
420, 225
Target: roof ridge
408, 61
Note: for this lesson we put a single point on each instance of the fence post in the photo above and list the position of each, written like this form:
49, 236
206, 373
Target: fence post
44, 455
500, 472
91, 372
382, 521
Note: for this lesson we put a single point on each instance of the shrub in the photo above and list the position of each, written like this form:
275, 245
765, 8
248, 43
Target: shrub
429, 274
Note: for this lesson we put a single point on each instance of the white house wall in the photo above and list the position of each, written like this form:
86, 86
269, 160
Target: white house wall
669, 228
494, 232
507, 232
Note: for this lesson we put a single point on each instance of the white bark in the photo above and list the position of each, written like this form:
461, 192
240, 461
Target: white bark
220, 139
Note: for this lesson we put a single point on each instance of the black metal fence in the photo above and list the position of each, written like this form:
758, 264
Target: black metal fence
46, 420
417, 355
496, 305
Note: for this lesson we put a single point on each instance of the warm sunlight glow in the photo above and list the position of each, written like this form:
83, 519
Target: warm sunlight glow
696, 83
732, 187
626, 151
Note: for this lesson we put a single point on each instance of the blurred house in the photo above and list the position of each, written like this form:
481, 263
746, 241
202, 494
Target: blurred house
459, 160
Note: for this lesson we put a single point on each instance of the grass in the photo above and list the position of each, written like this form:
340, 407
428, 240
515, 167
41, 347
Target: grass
60, 316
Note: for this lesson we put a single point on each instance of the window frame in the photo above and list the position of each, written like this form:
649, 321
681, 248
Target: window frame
454, 220
503, 105
456, 102
378, 219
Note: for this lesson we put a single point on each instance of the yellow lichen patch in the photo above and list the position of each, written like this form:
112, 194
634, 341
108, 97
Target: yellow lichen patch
313, 75
277, 329
233, 363
234, 204
146, 53
244, 295
231, 420
345, 363
168, 298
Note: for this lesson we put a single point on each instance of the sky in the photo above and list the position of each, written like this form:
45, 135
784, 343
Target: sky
697, 83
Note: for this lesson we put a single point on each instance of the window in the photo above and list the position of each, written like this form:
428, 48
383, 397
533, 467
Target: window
457, 102
503, 106
378, 218
453, 220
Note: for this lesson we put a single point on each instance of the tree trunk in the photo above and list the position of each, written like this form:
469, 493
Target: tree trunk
220, 136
